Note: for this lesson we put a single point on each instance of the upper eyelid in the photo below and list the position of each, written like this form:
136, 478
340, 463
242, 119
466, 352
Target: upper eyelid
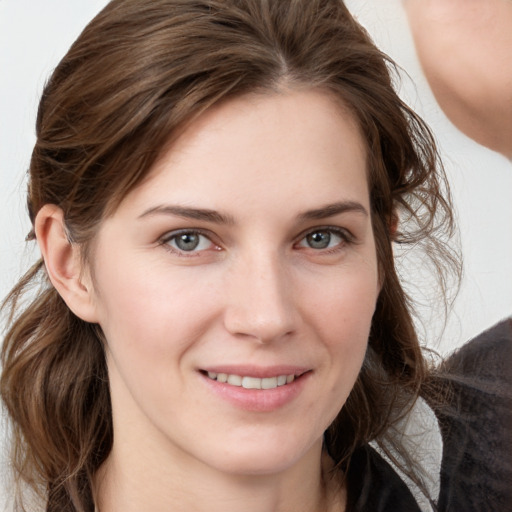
169, 235
344, 232
165, 240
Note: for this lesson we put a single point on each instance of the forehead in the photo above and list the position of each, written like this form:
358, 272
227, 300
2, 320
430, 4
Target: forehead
302, 146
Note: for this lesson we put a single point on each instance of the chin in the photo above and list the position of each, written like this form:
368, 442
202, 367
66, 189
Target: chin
262, 458
270, 464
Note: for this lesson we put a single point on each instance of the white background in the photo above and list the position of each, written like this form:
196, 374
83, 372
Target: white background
35, 34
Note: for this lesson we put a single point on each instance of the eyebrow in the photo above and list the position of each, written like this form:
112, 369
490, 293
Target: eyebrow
330, 210
203, 214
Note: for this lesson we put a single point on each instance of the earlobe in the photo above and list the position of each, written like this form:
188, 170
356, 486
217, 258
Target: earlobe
63, 262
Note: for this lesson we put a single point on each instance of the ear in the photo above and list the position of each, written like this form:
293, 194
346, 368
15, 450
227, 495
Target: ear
393, 225
63, 263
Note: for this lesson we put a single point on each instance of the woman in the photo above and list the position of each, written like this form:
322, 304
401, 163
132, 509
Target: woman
193, 344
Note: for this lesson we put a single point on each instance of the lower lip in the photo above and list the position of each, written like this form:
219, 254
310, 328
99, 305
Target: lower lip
258, 400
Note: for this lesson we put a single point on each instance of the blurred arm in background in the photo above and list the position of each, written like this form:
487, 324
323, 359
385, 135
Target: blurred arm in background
465, 49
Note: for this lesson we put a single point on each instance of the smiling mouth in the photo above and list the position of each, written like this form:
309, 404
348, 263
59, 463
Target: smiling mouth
248, 382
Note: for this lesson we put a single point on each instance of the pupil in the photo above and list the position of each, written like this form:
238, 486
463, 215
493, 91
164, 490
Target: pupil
319, 240
187, 241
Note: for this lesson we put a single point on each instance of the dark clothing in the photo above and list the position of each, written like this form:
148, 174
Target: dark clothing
476, 427
476, 470
373, 485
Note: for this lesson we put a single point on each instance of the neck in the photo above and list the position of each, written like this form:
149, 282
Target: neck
131, 480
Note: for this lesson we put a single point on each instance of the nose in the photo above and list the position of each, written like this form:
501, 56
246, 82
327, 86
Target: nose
260, 302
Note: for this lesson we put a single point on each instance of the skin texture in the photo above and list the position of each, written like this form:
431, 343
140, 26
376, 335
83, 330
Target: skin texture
254, 292
465, 48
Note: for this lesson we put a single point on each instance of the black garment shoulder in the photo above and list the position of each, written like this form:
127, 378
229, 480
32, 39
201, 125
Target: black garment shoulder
476, 425
373, 485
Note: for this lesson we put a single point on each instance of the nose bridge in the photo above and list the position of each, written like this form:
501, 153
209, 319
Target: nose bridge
260, 302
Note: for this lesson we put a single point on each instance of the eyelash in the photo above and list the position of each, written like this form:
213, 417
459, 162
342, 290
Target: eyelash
345, 236
169, 237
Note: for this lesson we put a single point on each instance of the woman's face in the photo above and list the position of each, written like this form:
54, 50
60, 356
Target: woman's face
247, 255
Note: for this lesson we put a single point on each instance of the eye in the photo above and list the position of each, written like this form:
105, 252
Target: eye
187, 241
325, 238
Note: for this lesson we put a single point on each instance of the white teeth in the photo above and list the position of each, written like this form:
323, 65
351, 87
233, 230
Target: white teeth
235, 380
252, 382
269, 383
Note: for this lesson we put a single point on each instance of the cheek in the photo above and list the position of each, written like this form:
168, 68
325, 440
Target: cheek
346, 303
151, 314
343, 314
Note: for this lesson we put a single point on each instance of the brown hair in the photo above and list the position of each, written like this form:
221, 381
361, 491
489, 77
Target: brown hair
136, 74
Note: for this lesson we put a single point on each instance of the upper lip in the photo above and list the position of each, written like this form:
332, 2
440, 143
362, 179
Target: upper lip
257, 371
